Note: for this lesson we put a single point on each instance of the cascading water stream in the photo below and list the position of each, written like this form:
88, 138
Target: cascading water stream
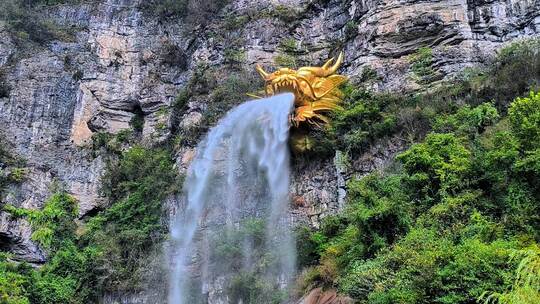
233, 232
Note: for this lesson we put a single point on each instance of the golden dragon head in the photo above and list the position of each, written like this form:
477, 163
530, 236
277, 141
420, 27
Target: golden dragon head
316, 89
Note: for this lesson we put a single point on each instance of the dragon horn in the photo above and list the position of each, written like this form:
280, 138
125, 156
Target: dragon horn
335, 67
326, 70
327, 63
261, 71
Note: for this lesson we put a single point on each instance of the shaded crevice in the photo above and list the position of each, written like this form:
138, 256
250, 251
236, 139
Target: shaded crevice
137, 121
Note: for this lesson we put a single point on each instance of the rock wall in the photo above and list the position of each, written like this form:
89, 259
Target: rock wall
118, 67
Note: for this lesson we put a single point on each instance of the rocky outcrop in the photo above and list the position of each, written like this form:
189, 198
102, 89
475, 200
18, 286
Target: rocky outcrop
320, 296
15, 237
125, 64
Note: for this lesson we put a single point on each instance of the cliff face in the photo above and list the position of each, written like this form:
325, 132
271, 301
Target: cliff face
125, 64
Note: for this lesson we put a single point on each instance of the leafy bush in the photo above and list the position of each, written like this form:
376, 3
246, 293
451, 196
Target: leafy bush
24, 23
12, 282
363, 118
441, 227
421, 64
468, 121
70, 274
136, 185
195, 12
228, 242
285, 61
526, 287
524, 114
165, 8
519, 58
229, 249
351, 29
106, 253
12, 170
251, 289
55, 222
234, 56
288, 45
306, 247
437, 167
231, 92
136, 122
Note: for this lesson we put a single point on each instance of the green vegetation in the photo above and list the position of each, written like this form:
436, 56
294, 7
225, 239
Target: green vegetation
234, 22
368, 74
288, 52
285, 61
12, 282
366, 116
194, 12
246, 286
53, 2
107, 253
442, 228
136, 186
137, 121
234, 56
115, 143
288, 45
223, 94
351, 29
286, 14
71, 272
202, 11
421, 62
526, 285
229, 93
500, 83
25, 24
12, 170
165, 8
456, 219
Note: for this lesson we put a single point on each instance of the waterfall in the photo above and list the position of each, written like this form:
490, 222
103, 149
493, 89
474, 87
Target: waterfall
231, 241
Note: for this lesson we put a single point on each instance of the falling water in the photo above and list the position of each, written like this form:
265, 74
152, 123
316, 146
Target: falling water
231, 242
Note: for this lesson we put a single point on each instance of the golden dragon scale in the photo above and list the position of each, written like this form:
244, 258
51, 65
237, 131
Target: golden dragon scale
316, 89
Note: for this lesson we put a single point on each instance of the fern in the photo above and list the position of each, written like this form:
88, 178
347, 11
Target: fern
526, 287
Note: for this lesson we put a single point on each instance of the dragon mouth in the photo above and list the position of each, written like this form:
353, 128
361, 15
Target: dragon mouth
289, 85
286, 86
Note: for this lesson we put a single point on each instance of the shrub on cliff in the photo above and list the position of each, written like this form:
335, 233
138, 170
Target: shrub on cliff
106, 252
195, 12
136, 186
70, 271
526, 287
25, 23
441, 229
12, 282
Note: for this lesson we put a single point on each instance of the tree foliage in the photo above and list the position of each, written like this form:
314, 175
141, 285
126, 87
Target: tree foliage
105, 254
442, 228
